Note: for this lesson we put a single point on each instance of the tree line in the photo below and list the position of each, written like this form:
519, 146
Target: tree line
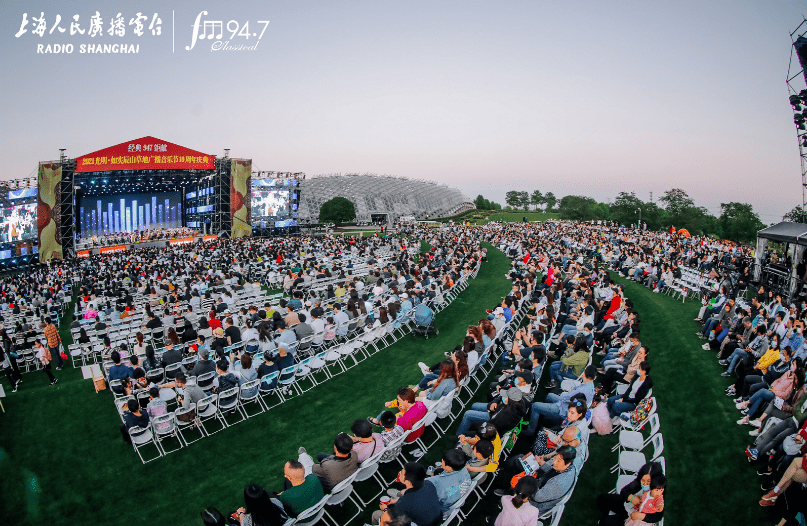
737, 221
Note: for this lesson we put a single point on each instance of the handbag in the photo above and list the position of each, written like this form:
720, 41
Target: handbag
187, 417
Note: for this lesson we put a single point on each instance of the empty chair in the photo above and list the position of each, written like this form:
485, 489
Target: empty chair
205, 381
156, 376
228, 403
632, 461
142, 437
634, 439
165, 426
249, 395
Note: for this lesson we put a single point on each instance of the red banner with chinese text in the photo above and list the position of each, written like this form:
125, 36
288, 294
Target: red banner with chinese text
117, 248
146, 153
83, 254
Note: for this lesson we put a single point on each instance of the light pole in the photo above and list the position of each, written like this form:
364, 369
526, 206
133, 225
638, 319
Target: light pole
640, 216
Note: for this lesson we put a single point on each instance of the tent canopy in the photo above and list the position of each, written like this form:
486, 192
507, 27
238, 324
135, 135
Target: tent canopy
785, 233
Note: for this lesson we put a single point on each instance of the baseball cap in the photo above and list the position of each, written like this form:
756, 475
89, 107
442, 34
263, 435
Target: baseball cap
514, 394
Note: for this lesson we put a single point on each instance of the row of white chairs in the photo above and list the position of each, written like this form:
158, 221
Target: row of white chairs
280, 386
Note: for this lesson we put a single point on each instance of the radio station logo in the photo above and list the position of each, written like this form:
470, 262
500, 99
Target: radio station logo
102, 35
214, 30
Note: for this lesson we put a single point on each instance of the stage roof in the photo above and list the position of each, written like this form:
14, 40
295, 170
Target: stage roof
146, 153
785, 233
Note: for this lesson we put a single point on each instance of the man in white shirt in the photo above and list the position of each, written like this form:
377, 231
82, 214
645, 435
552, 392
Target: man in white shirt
317, 325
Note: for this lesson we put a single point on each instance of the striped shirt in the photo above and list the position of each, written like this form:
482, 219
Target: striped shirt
389, 436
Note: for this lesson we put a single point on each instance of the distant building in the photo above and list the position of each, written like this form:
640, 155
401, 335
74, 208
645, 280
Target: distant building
381, 198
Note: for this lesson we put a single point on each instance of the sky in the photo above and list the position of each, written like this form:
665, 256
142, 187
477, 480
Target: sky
587, 98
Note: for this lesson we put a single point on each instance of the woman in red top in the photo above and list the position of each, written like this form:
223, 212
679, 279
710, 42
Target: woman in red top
413, 411
212, 321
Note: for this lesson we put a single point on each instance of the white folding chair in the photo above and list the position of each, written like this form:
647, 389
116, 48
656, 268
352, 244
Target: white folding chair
142, 437
165, 426
634, 440
632, 461
339, 494
250, 394
207, 409
182, 424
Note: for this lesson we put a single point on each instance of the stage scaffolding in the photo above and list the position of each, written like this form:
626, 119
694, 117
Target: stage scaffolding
222, 219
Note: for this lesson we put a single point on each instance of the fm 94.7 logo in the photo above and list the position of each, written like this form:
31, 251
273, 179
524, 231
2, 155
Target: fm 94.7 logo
215, 29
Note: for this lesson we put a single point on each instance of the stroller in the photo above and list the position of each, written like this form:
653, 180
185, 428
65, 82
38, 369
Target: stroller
424, 321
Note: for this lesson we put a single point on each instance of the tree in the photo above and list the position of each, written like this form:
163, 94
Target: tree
797, 215
739, 222
654, 216
483, 204
537, 198
512, 198
602, 211
337, 210
577, 207
625, 209
549, 201
524, 200
678, 206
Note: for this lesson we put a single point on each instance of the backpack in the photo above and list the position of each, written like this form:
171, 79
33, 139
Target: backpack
783, 386
48, 357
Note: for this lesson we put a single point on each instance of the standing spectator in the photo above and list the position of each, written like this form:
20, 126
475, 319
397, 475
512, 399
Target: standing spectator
44, 356
6, 361
52, 334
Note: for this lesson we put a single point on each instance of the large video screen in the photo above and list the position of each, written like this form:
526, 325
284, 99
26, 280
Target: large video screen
107, 214
18, 223
270, 202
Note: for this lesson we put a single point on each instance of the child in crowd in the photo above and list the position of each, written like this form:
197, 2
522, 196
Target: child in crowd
651, 501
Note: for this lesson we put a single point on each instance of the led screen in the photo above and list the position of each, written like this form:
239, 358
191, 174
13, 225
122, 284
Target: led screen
107, 214
19, 194
269, 202
18, 223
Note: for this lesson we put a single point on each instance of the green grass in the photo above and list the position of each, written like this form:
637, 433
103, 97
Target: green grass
63, 461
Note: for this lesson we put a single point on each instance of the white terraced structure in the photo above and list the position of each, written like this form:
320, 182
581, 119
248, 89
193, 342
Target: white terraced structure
382, 194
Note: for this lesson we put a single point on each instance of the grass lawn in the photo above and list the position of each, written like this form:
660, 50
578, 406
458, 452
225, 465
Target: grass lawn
63, 461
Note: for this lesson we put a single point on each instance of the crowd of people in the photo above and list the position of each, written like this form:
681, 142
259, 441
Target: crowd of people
761, 344
579, 326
